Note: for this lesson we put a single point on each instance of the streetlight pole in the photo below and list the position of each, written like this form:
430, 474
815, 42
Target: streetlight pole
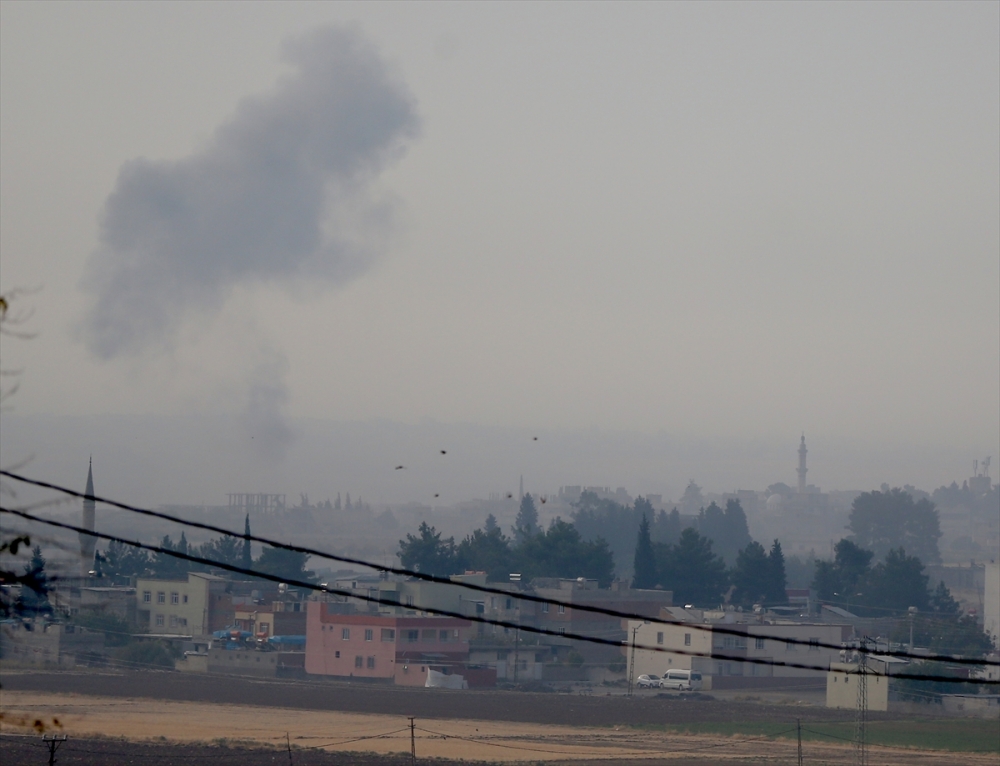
912, 611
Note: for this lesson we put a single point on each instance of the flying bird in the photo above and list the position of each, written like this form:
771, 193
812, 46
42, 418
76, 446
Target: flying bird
400, 467
437, 494
534, 438
444, 452
543, 500
510, 494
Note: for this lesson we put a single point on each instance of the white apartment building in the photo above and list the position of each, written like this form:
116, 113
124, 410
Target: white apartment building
762, 650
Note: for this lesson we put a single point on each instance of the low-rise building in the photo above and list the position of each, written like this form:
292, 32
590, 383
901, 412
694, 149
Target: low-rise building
730, 653
180, 607
843, 687
400, 649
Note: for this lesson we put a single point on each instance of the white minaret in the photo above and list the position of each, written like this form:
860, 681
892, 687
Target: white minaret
88, 542
802, 465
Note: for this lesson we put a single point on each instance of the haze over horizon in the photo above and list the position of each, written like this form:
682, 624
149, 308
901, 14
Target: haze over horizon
285, 247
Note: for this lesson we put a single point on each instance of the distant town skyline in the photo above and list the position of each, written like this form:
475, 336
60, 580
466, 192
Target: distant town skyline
669, 237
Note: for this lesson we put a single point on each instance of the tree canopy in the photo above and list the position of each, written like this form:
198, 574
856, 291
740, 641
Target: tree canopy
881, 521
526, 523
692, 570
559, 551
727, 529
759, 576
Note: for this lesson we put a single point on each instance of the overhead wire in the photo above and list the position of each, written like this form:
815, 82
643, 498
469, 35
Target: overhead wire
531, 598
459, 615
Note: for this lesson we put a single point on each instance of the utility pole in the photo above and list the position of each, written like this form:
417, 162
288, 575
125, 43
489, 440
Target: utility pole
631, 663
861, 719
413, 742
798, 732
53, 743
288, 744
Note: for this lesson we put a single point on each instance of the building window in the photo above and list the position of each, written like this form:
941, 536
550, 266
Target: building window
264, 627
509, 604
813, 644
159, 620
409, 600
659, 637
345, 634
388, 634
758, 643
147, 597
371, 663
337, 655
175, 598
789, 646
734, 642
182, 621
161, 597
562, 609
493, 602
687, 639
545, 608
184, 598
411, 636
369, 634
445, 636
359, 661
430, 635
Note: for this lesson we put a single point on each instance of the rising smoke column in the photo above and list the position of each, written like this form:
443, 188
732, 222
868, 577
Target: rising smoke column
265, 201
176, 236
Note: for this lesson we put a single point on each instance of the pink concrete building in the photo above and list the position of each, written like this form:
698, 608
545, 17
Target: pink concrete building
376, 646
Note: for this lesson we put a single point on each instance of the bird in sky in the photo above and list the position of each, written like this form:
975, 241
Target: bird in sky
444, 452
400, 467
534, 438
437, 494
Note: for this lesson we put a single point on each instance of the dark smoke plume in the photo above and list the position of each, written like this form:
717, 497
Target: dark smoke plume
256, 204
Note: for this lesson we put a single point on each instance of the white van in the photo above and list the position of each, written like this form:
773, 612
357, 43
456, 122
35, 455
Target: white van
683, 680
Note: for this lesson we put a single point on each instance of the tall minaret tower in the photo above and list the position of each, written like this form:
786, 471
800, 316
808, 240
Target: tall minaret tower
802, 465
88, 541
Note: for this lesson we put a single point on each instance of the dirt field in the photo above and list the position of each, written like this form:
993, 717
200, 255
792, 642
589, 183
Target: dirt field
140, 729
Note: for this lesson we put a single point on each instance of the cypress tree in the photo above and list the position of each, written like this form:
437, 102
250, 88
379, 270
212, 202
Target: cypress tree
776, 566
644, 563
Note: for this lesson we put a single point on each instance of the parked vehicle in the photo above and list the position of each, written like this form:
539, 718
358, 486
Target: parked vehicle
682, 680
648, 682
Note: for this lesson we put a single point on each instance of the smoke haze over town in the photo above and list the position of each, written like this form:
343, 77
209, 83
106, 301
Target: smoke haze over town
465, 353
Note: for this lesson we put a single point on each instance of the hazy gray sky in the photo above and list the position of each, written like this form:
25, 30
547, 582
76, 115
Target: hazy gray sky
722, 221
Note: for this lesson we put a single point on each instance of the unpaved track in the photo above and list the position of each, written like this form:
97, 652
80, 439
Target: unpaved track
556, 709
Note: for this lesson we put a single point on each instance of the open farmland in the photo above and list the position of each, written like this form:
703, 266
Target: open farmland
319, 725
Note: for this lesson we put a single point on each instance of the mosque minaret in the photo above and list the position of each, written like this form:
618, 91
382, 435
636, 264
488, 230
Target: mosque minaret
88, 540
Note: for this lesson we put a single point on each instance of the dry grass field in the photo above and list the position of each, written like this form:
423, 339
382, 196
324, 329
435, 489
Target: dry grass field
316, 736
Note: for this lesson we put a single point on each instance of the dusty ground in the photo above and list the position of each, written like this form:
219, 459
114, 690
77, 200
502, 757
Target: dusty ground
313, 735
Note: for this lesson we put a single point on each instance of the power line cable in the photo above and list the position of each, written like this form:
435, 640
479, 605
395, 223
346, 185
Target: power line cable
470, 586
459, 615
